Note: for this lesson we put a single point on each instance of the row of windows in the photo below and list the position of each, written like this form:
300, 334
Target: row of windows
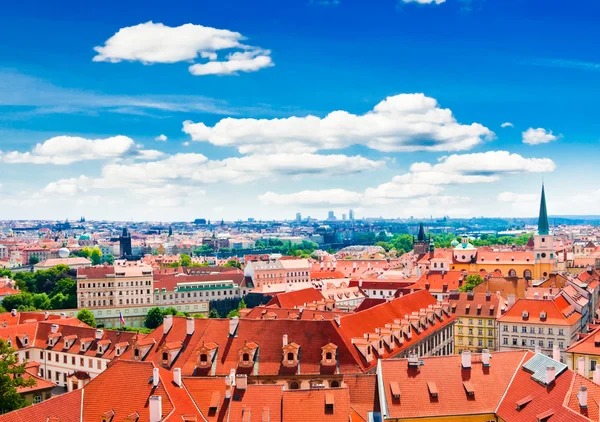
197, 294
490, 343
490, 322
65, 359
532, 330
541, 343
490, 332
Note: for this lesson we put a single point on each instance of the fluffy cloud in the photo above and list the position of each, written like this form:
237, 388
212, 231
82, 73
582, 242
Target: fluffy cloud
161, 138
157, 43
538, 136
406, 122
517, 197
425, 180
507, 124
63, 150
425, 1
197, 169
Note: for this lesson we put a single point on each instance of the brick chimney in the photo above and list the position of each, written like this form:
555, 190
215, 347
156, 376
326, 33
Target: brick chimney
155, 408
177, 376
582, 396
190, 326
167, 323
465, 358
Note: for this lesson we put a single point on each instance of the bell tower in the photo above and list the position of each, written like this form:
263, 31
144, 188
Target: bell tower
421, 244
543, 243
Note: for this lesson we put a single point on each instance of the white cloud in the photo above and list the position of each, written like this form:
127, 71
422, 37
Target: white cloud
313, 197
538, 136
517, 197
63, 150
248, 61
161, 138
185, 144
149, 154
507, 124
425, 1
426, 180
157, 43
406, 122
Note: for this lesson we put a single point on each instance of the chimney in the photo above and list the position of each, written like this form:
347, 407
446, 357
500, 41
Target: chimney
190, 326
337, 320
596, 377
538, 349
359, 283
155, 377
177, 376
99, 334
46, 315
155, 408
550, 374
167, 323
285, 340
536, 295
581, 366
466, 359
233, 324
511, 300
54, 328
485, 357
556, 353
582, 396
63, 315
13, 312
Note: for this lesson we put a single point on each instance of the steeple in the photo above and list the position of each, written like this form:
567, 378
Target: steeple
543, 225
421, 235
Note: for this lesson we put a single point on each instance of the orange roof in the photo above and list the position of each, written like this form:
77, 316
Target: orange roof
475, 304
445, 376
321, 275
558, 312
363, 394
61, 408
316, 405
297, 298
589, 345
439, 281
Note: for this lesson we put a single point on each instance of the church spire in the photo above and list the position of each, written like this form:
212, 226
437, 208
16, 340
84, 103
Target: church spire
421, 235
543, 225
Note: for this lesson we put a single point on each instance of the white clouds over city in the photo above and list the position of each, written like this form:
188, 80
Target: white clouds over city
402, 123
151, 43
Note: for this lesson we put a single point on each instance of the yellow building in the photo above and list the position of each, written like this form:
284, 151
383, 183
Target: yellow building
476, 324
585, 353
536, 264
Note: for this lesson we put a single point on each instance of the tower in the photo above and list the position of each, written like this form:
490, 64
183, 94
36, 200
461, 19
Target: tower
421, 244
543, 243
125, 243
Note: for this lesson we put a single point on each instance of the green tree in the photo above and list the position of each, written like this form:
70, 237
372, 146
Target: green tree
87, 317
402, 242
33, 260
233, 263
213, 314
96, 256
15, 301
10, 379
109, 259
41, 301
85, 252
472, 281
186, 260
198, 316
154, 318
66, 286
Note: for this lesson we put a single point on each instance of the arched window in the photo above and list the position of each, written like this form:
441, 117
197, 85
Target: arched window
512, 273
334, 384
203, 357
294, 385
328, 356
527, 274
245, 357
290, 356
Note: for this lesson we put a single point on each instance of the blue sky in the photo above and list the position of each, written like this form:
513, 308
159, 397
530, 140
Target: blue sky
78, 124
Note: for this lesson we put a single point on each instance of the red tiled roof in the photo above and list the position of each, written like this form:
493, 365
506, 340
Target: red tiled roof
63, 408
490, 305
96, 272
363, 394
310, 405
446, 376
297, 298
557, 312
322, 274
439, 282
587, 345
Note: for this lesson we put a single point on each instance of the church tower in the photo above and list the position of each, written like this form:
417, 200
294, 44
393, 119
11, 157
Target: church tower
421, 244
543, 248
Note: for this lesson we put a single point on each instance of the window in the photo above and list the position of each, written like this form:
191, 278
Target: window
245, 357
550, 331
203, 357
490, 322
480, 343
490, 333
593, 364
541, 330
505, 328
504, 340
480, 332
532, 330
328, 356
37, 399
490, 343
72, 360
550, 344
531, 342
334, 384
294, 385
480, 322
470, 331
459, 330
515, 329
523, 342
90, 363
290, 356
81, 362
49, 374
514, 341
561, 332
470, 322
561, 345
165, 356
524, 330
57, 375
541, 343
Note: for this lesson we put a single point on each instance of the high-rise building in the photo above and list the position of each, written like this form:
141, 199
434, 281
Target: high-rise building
351, 215
330, 215
298, 217
344, 217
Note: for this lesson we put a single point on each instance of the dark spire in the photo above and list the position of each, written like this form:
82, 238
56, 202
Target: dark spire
421, 235
543, 225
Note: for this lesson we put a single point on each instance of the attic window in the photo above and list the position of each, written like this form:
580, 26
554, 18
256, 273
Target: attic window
203, 357
329, 355
329, 401
433, 391
523, 402
245, 357
290, 356
136, 353
542, 417
165, 356
469, 388
395, 387
215, 398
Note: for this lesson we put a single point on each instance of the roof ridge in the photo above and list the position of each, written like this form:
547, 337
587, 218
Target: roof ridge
525, 354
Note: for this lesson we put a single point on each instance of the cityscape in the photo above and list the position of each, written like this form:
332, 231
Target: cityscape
332, 210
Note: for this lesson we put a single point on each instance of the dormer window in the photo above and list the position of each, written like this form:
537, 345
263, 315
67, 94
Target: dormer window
328, 355
136, 353
203, 357
245, 357
165, 356
290, 356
